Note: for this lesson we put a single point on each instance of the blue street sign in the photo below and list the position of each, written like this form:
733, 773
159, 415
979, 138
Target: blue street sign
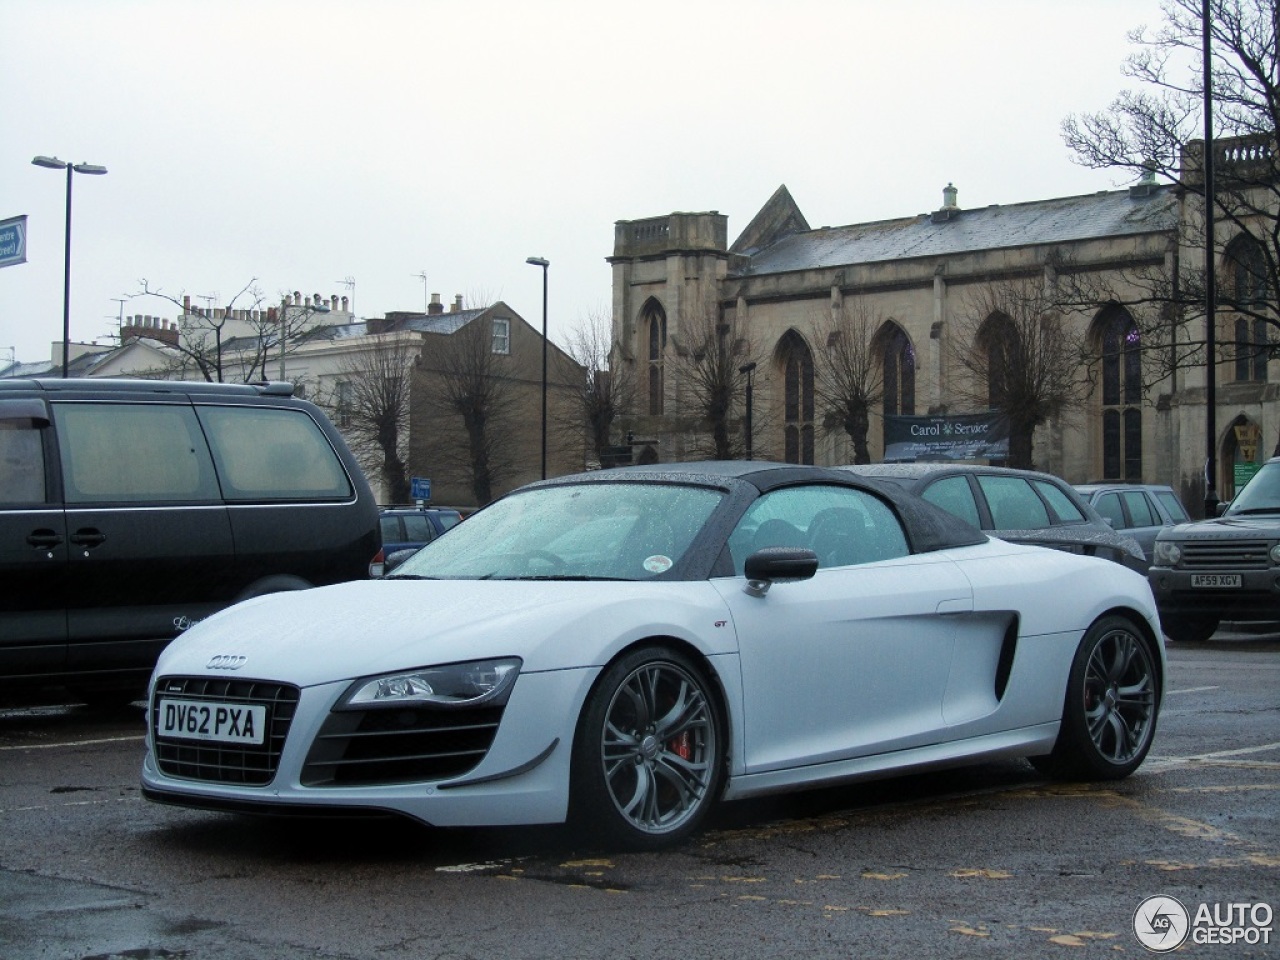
420, 488
13, 241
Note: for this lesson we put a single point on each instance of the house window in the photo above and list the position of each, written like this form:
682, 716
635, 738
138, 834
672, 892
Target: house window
501, 335
346, 400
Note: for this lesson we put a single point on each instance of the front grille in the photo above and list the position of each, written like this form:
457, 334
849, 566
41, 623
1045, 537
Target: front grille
253, 764
391, 745
1226, 555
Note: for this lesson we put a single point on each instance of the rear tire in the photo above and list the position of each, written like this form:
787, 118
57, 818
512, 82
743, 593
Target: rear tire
1112, 701
649, 753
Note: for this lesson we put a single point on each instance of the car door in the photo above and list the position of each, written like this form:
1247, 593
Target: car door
150, 543
1143, 521
855, 660
33, 544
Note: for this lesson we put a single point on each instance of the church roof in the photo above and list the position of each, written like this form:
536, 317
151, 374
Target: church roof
1095, 216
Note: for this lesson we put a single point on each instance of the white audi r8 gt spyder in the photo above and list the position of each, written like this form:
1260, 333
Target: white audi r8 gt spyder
625, 648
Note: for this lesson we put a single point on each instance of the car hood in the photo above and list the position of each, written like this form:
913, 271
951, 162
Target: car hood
368, 627
1225, 528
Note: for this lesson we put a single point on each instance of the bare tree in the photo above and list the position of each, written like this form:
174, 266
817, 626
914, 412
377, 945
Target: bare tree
462, 383
205, 346
1021, 359
850, 381
710, 354
1157, 131
369, 401
602, 391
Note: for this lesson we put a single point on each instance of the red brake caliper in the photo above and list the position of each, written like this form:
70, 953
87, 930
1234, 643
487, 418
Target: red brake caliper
682, 746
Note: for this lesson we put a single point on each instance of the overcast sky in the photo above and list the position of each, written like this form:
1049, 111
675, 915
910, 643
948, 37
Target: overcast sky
305, 142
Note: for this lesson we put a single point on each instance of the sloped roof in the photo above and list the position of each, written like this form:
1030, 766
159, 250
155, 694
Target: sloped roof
1099, 215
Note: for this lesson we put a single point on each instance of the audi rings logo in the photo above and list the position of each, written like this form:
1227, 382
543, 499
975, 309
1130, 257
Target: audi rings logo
1161, 924
225, 661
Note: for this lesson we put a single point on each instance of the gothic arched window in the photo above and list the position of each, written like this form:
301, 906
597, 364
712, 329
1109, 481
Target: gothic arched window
654, 327
898, 358
1121, 348
1248, 285
797, 368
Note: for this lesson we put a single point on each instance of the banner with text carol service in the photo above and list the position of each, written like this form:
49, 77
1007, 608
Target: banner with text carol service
970, 436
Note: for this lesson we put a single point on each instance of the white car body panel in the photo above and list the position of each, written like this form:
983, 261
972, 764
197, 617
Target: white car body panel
806, 702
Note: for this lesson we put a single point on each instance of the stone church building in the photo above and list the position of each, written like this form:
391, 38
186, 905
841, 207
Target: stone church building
782, 283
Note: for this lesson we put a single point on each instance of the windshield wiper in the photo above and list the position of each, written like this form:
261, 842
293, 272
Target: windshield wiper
408, 576
1254, 510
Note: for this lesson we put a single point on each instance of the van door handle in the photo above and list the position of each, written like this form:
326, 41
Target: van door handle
88, 537
44, 539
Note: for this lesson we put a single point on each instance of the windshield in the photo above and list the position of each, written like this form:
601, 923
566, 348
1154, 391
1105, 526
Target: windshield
580, 531
1261, 494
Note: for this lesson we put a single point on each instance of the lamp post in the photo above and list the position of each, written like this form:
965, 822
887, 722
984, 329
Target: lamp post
748, 369
1210, 285
53, 163
544, 264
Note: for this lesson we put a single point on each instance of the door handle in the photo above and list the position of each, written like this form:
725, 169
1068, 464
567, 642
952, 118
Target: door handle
88, 537
44, 539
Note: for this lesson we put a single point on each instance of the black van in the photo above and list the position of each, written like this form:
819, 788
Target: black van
130, 509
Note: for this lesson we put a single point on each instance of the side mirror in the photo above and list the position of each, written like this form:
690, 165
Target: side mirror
778, 565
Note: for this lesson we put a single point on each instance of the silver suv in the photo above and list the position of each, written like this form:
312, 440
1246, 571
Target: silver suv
1227, 568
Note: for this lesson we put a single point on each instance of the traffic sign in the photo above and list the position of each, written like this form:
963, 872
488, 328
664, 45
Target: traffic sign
13, 241
420, 488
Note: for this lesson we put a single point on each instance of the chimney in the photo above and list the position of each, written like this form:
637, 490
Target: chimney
436, 306
457, 304
949, 209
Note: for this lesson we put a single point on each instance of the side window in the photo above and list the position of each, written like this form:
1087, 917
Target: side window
1139, 509
841, 525
1013, 504
133, 452
21, 462
1067, 511
418, 529
954, 495
270, 453
390, 529
1172, 505
1109, 506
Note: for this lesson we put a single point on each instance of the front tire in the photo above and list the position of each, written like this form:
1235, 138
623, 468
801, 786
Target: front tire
1109, 716
648, 757
1191, 629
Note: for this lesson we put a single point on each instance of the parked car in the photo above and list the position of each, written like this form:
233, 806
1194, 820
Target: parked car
1022, 506
1137, 510
130, 510
623, 648
407, 529
1224, 568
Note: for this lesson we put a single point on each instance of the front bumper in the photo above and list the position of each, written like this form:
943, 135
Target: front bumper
1257, 597
522, 779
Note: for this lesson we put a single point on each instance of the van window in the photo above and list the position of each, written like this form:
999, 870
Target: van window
133, 452
21, 462
268, 453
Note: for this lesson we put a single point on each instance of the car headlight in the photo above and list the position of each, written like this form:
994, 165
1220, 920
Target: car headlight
1275, 554
1167, 554
473, 684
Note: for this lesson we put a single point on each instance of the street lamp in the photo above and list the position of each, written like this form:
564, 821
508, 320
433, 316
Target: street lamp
543, 263
53, 163
748, 369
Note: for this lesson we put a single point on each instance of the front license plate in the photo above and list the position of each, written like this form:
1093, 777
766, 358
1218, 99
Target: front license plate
206, 720
1215, 580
